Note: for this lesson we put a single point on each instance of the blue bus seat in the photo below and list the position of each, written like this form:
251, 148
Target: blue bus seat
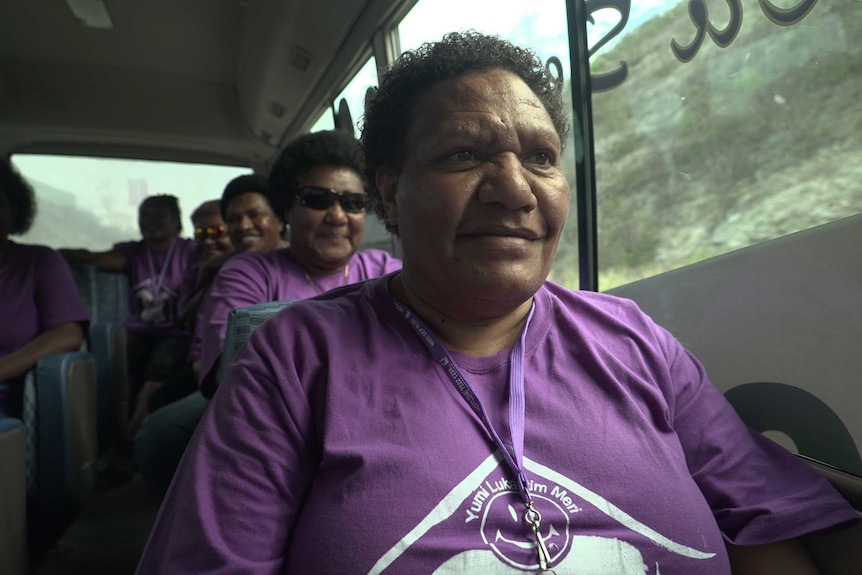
112, 290
241, 322
108, 346
13, 496
85, 280
105, 294
60, 423
105, 297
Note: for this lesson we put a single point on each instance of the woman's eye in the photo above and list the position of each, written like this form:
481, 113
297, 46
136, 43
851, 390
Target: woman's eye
462, 156
543, 158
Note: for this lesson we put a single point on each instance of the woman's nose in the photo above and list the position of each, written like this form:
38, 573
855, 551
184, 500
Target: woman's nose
507, 182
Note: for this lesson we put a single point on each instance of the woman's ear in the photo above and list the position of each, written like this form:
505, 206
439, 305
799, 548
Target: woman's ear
387, 182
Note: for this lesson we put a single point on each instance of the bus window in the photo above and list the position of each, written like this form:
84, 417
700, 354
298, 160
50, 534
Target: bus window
354, 93
710, 140
542, 27
93, 202
326, 121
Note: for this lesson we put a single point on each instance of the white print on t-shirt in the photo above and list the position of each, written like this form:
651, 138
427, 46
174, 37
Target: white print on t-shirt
156, 309
485, 502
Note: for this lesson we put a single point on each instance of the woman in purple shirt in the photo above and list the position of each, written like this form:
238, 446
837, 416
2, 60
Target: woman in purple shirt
41, 312
465, 415
156, 267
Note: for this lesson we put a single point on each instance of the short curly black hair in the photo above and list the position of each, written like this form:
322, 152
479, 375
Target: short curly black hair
242, 185
169, 203
388, 113
20, 197
327, 148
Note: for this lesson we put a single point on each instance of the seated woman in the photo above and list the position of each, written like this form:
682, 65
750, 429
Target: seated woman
213, 246
41, 312
316, 183
156, 267
465, 415
252, 226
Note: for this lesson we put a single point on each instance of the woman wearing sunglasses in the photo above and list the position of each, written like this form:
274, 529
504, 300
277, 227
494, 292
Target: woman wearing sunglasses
316, 184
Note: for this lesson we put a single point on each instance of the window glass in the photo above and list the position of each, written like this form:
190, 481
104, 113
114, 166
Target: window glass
93, 202
354, 93
723, 139
324, 122
540, 26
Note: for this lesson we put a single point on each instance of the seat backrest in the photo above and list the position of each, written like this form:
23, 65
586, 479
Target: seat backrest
241, 322
108, 346
85, 280
60, 418
13, 510
112, 292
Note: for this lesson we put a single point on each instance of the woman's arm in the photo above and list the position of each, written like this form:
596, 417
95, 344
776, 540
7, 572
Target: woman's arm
62, 338
782, 558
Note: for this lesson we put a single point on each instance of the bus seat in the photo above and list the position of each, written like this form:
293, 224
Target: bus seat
105, 294
105, 297
13, 495
108, 346
839, 553
241, 322
825, 444
60, 423
111, 289
85, 280
813, 426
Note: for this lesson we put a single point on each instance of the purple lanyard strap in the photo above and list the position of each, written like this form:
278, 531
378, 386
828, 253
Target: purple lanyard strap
160, 278
515, 457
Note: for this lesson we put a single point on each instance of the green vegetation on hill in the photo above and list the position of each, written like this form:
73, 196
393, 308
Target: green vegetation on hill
739, 145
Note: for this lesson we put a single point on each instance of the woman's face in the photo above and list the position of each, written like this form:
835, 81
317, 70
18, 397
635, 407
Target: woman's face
481, 198
252, 225
157, 223
323, 241
211, 238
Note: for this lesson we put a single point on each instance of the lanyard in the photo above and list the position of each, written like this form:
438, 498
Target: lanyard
157, 286
515, 457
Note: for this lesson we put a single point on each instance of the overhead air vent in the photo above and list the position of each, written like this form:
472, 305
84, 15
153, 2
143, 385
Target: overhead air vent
276, 110
91, 13
300, 59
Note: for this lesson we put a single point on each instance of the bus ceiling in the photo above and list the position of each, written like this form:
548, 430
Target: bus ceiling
225, 82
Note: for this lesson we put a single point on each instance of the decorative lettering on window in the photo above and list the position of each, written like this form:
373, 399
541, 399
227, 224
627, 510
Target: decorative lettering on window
608, 80
698, 13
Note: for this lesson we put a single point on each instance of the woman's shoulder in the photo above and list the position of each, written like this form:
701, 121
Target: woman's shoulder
187, 246
600, 314
34, 254
377, 262
600, 302
261, 260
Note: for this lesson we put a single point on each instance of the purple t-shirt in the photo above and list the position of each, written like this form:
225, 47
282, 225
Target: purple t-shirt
253, 278
337, 445
37, 293
156, 281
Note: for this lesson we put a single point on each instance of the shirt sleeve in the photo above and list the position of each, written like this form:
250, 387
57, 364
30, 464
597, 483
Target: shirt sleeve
241, 483
56, 294
242, 281
758, 491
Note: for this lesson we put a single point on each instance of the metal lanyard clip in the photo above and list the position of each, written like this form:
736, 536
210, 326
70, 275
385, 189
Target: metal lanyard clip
534, 519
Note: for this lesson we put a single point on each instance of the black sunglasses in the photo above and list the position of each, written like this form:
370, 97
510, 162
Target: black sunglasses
213, 232
323, 199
